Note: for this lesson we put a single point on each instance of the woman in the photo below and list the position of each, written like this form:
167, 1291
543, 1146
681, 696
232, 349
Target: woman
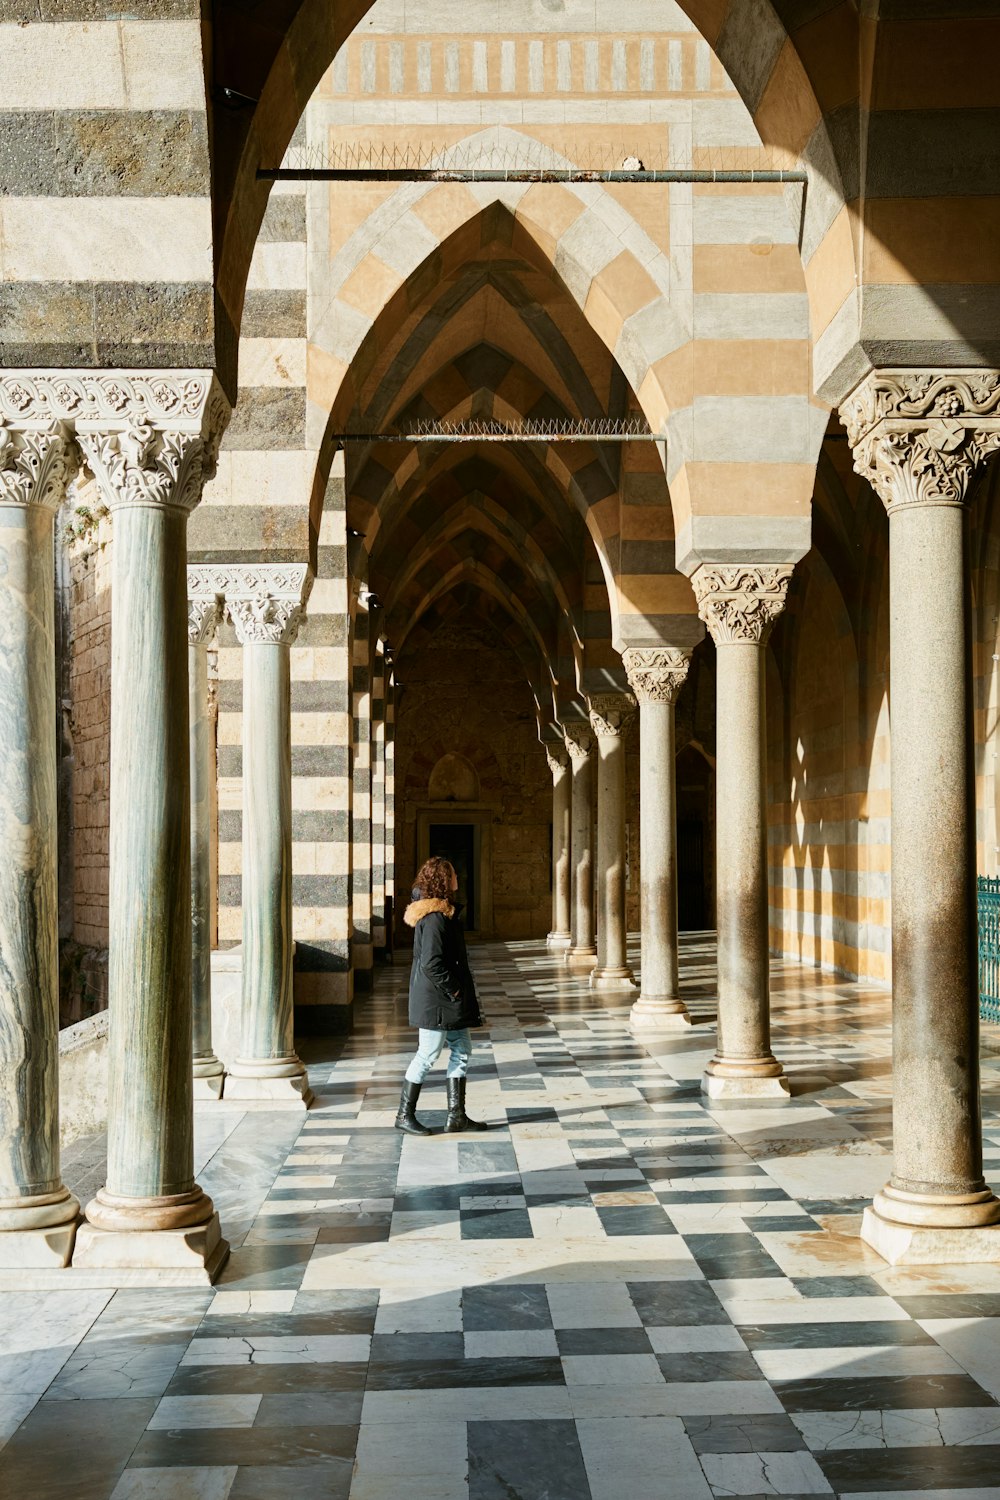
443, 1001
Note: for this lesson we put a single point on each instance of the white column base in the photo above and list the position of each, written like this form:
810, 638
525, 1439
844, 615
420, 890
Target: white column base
37, 1249
558, 940
926, 1245
208, 1089
580, 961
651, 1015
612, 979
178, 1257
744, 1088
269, 1093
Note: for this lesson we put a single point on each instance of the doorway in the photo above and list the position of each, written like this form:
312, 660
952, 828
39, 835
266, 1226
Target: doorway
456, 842
695, 831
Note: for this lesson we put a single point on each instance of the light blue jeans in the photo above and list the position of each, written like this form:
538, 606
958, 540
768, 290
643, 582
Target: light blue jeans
429, 1050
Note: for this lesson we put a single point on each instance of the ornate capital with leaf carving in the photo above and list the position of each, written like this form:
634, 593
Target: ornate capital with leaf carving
579, 740
203, 618
656, 674
36, 464
263, 600
144, 466
265, 620
611, 713
739, 602
556, 756
919, 435
151, 437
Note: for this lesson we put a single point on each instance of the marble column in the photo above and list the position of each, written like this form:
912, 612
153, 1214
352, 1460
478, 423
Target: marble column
268, 1070
38, 1215
610, 716
740, 603
918, 438
581, 955
656, 675
151, 1215
208, 1072
560, 936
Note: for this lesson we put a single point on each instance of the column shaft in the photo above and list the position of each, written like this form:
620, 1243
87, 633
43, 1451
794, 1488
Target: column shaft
268, 1069
740, 604
918, 437
151, 1214
208, 1070
582, 953
741, 862
560, 936
610, 716
37, 1213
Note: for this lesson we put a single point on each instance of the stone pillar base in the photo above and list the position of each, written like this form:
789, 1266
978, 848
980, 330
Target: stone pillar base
255, 1092
927, 1245
208, 1089
560, 940
581, 960
652, 1013
178, 1257
37, 1249
748, 1086
612, 979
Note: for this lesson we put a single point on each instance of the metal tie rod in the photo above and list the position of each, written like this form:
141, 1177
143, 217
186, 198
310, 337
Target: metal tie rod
530, 174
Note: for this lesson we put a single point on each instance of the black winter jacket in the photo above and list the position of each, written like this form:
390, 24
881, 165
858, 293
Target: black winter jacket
442, 990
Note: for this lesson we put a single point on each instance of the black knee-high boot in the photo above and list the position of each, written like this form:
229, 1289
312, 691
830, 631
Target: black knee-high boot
457, 1118
406, 1119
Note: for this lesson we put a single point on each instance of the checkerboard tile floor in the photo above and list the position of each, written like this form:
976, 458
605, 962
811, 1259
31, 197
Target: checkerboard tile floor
615, 1291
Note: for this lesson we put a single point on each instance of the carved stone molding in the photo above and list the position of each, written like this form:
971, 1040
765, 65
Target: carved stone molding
919, 435
611, 713
265, 620
579, 740
247, 580
203, 618
36, 465
557, 757
740, 601
656, 674
143, 465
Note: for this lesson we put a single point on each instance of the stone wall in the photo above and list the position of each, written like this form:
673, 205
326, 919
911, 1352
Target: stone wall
85, 599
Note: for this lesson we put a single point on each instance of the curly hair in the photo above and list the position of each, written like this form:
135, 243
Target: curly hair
433, 879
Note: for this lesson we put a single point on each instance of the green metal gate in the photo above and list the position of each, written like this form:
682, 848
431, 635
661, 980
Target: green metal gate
988, 890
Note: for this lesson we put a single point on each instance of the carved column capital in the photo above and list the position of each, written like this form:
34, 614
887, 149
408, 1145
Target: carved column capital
918, 436
151, 437
611, 713
656, 674
579, 740
739, 602
265, 619
36, 464
556, 756
203, 618
142, 465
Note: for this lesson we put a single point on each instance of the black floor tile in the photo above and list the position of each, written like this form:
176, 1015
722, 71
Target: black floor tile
442, 1374
950, 1470
880, 1393
314, 1444
831, 1335
744, 1434
535, 1460
672, 1304
505, 1308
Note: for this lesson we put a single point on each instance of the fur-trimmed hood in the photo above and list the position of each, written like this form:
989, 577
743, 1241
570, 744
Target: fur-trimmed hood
417, 910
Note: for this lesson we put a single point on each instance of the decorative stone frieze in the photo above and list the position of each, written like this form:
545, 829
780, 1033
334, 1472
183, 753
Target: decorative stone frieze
919, 435
656, 674
36, 464
203, 618
185, 400
579, 740
248, 580
739, 602
611, 713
